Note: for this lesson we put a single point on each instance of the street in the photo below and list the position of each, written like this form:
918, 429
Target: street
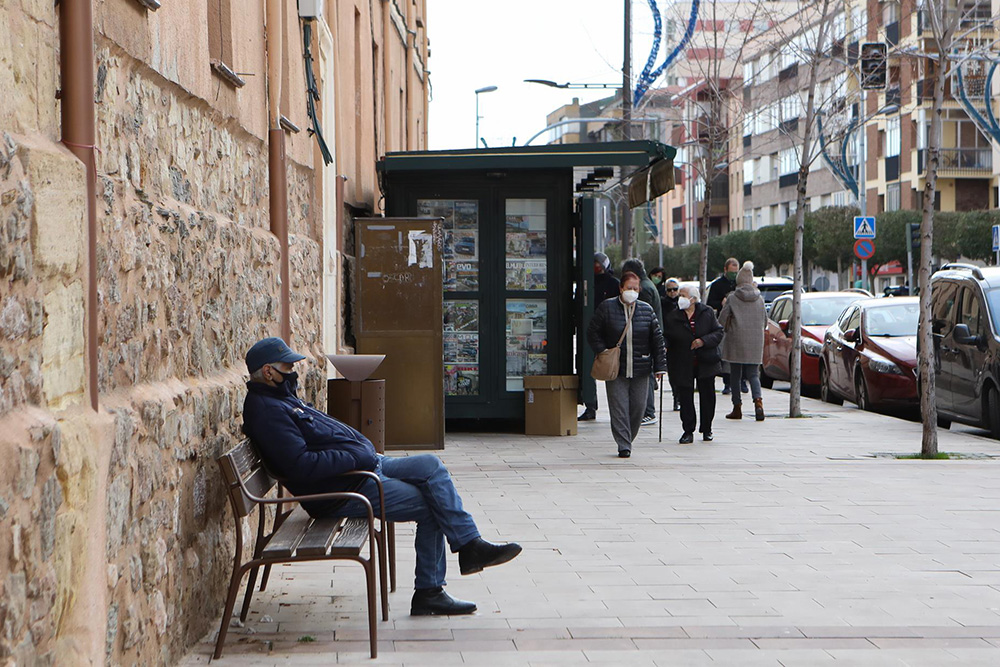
786, 542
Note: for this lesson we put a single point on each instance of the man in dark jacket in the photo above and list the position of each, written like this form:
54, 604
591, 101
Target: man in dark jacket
308, 452
606, 286
648, 294
717, 293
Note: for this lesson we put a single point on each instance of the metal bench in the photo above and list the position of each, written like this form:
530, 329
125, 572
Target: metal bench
296, 537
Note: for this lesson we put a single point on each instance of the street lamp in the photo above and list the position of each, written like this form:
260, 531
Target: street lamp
485, 89
553, 84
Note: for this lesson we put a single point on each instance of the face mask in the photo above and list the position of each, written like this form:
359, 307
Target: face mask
683, 303
657, 280
731, 275
630, 296
290, 378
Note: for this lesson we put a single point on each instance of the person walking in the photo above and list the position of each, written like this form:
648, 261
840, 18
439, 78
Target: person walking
743, 319
671, 290
606, 286
658, 276
693, 335
642, 354
717, 293
647, 294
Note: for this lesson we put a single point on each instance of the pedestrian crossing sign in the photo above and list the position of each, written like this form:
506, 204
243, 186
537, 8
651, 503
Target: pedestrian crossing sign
864, 227
996, 238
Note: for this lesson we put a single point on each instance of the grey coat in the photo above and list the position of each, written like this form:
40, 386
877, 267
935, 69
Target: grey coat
744, 320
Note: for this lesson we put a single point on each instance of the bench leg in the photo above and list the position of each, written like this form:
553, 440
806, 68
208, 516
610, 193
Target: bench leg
391, 530
263, 579
383, 576
227, 613
249, 594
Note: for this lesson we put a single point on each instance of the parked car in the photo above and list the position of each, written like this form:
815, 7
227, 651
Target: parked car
965, 323
819, 310
870, 354
772, 288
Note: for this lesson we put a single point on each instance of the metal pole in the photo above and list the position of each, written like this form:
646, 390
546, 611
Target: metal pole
909, 260
863, 176
627, 75
476, 145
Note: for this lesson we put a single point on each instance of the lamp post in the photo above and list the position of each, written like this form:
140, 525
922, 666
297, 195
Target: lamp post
485, 89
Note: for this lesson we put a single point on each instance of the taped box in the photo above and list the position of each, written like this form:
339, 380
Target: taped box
550, 404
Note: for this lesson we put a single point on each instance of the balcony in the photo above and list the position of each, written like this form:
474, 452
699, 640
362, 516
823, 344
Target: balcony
958, 162
892, 33
788, 180
789, 72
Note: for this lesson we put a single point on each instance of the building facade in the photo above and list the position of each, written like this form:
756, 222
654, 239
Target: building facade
140, 261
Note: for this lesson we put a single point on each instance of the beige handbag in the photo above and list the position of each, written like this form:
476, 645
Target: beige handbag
607, 362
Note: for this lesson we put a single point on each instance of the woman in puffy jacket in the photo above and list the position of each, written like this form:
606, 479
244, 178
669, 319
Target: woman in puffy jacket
642, 352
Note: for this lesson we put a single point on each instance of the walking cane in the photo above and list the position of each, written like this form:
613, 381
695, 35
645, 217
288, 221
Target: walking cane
660, 421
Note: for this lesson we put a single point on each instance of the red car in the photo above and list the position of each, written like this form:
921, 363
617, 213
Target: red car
870, 354
819, 311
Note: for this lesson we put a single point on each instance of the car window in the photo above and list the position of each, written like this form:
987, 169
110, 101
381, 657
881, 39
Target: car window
772, 292
944, 296
778, 310
970, 313
844, 318
825, 311
993, 302
895, 320
855, 320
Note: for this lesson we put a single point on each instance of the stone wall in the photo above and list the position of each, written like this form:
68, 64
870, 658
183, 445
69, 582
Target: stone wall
115, 534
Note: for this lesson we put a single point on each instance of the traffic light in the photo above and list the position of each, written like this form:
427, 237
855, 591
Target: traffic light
874, 65
913, 235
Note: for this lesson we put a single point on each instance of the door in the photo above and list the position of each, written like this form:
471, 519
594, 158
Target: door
839, 377
945, 299
773, 339
847, 353
969, 358
584, 224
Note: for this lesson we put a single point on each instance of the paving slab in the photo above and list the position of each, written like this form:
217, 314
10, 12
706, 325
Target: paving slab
785, 542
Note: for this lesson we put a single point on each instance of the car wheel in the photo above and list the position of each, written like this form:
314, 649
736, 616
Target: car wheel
825, 392
944, 422
993, 414
766, 381
861, 390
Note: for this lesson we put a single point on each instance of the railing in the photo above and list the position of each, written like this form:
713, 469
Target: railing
960, 159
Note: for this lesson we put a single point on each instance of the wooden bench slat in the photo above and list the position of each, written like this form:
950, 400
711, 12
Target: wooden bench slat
286, 539
319, 537
351, 538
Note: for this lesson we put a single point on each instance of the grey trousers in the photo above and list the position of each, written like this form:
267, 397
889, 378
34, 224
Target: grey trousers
626, 405
748, 372
651, 398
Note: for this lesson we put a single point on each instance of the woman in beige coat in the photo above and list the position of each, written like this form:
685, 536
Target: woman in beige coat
743, 318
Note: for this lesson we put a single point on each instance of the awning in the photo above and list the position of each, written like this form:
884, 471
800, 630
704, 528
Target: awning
648, 184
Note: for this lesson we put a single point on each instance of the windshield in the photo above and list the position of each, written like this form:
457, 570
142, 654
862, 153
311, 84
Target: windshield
993, 297
897, 320
772, 292
824, 312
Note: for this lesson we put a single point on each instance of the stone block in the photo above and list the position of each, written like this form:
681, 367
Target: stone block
13, 319
59, 215
27, 470
51, 499
63, 346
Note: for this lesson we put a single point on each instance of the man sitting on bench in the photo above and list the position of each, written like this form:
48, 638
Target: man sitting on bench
306, 450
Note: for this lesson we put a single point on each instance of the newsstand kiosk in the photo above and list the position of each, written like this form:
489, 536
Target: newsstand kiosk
517, 255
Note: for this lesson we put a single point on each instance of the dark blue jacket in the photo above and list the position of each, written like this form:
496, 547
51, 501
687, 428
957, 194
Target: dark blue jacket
303, 448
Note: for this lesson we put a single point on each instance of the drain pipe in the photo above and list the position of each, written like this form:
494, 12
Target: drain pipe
76, 66
277, 163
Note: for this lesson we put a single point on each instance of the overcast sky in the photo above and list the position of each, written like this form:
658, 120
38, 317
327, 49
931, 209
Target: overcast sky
476, 44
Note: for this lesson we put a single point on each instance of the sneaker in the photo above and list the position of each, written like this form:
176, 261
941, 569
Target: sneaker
588, 415
649, 421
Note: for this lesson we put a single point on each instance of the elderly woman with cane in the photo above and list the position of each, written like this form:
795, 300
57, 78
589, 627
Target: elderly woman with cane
693, 335
631, 327
743, 319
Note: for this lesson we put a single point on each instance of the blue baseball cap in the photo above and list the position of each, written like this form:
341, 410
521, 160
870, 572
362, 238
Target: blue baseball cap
270, 351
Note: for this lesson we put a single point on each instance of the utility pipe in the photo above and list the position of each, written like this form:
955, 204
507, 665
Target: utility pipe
277, 162
76, 66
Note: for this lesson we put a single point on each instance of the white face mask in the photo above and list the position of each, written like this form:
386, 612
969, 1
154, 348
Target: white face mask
683, 303
630, 296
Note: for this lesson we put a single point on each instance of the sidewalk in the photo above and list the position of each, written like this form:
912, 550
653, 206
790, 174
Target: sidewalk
780, 543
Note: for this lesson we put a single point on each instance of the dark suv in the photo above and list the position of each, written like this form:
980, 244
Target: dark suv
965, 315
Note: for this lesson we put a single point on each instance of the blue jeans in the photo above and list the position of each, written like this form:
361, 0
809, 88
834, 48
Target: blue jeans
419, 488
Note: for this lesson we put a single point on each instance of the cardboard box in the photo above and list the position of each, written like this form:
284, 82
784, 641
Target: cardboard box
550, 404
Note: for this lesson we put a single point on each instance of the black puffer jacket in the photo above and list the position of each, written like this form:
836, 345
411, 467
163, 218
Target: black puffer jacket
681, 357
649, 353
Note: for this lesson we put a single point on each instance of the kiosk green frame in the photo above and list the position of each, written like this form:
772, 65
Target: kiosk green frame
518, 248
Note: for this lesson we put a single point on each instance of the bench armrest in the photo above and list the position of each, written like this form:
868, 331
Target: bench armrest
378, 482
332, 495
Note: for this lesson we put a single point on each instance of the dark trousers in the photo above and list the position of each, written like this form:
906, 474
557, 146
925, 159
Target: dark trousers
706, 401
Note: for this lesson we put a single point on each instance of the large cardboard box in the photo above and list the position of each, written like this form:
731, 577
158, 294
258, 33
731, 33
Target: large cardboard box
550, 404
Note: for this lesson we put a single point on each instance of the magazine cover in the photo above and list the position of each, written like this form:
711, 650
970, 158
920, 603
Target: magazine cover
466, 276
461, 316
464, 244
437, 208
461, 379
534, 274
517, 223
517, 245
466, 214
533, 309
517, 362
537, 363
536, 244
515, 275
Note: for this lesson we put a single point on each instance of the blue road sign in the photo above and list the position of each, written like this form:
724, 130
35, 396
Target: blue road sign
864, 227
864, 249
996, 238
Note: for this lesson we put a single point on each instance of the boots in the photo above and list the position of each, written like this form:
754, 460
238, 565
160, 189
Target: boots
737, 412
758, 409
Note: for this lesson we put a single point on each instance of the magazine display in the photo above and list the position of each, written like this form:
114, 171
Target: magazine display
461, 348
461, 241
525, 341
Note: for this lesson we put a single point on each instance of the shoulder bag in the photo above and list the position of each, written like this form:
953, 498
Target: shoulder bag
607, 362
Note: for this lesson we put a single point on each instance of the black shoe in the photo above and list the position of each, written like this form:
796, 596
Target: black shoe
687, 438
707, 437
435, 602
624, 453
677, 406
726, 391
588, 415
479, 553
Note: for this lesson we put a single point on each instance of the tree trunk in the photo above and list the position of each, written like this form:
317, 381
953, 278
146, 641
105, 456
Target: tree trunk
925, 361
706, 212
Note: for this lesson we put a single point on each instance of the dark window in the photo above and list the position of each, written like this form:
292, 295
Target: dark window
971, 313
944, 296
